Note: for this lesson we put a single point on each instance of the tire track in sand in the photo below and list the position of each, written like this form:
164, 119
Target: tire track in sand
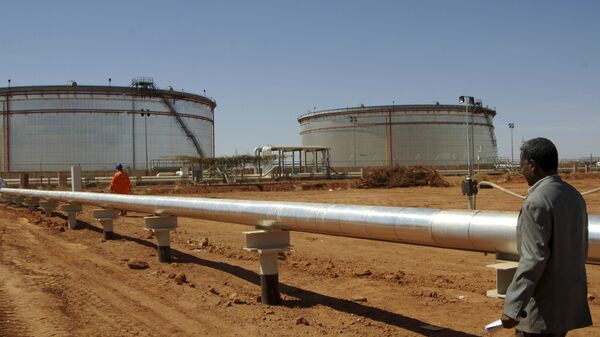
96, 291
10, 323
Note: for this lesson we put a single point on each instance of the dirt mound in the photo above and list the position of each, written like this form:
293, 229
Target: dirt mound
398, 176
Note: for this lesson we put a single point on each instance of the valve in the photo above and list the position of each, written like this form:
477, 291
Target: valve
469, 186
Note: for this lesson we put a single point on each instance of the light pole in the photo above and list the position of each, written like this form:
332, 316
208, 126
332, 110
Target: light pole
468, 100
390, 146
478, 158
469, 187
353, 120
146, 113
511, 126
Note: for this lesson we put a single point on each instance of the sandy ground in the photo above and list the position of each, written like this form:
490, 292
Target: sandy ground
57, 282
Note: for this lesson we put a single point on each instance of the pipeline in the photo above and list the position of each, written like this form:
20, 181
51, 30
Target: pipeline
591, 191
509, 192
483, 231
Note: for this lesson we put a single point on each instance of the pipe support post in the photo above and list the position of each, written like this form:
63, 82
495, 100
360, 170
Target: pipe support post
48, 206
161, 226
268, 244
18, 201
32, 203
505, 271
71, 210
7, 198
106, 217
107, 228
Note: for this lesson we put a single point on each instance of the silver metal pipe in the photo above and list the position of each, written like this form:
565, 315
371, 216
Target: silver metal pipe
484, 231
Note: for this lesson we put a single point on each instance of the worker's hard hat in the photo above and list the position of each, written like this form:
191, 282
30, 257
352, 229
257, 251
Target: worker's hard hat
119, 166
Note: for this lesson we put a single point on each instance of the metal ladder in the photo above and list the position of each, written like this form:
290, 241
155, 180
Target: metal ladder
491, 129
187, 131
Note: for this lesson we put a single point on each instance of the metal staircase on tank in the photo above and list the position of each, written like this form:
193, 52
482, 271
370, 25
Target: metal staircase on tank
184, 127
491, 129
147, 83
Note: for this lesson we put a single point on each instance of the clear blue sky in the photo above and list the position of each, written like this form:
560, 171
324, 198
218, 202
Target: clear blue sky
266, 62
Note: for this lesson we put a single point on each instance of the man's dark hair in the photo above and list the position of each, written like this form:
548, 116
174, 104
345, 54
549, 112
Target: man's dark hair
542, 151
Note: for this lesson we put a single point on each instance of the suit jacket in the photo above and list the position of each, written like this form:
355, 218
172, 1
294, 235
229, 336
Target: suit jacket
550, 282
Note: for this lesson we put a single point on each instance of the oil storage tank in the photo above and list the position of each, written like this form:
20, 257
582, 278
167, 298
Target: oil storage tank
432, 135
50, 128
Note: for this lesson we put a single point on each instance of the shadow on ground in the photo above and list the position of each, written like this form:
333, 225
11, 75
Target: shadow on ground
303, 298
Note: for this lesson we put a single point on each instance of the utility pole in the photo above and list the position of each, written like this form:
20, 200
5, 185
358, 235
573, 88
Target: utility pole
145, 114
469, 186
353, 120
511, 126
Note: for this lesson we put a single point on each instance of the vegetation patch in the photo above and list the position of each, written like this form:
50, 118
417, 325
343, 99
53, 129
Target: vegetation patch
399, 176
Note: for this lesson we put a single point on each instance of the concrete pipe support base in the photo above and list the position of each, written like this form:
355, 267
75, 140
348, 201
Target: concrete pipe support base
7, 198
18, 201
32, 203
48, 206
269, 289
107, 228
164, 252
71, 210
505, 267
161, 226
268, 244
106, 217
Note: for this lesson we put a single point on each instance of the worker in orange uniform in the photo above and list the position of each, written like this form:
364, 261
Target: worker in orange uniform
120, 183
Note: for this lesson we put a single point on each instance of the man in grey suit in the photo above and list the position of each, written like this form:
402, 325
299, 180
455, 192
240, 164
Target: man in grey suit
548, 294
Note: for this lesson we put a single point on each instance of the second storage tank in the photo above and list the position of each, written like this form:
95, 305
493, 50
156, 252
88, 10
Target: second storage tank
433, 135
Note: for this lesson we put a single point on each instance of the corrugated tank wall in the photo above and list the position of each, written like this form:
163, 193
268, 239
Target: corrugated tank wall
53, 128
432, 135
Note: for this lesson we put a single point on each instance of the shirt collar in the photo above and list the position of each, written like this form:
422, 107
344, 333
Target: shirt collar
541, 181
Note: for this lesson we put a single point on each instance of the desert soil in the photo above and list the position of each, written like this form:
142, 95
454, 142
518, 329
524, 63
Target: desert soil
57, 282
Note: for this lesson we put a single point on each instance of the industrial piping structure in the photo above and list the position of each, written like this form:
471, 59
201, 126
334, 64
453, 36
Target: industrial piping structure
483, 231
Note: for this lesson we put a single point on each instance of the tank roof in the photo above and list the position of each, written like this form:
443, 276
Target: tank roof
112, 90
396, 107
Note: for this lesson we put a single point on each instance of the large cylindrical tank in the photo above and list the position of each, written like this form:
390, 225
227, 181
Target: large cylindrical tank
50, 128
433, 135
